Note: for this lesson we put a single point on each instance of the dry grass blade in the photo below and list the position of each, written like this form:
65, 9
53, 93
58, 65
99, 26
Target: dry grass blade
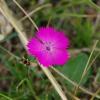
9, 52
92, 98
35, 10
25, 13
54, 82
62, 75
75, 84
50, 18
96, 23
72, 96
18, 26
85, 70
93, 61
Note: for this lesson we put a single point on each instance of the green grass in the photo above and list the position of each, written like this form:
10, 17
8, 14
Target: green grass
24, 82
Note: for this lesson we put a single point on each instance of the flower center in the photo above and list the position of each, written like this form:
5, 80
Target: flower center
48, 48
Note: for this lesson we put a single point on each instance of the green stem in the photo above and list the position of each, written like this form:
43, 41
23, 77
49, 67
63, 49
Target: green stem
31, 89
29, 85
6, 97
93, 5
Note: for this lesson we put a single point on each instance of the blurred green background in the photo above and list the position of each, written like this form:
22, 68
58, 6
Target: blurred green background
80, 20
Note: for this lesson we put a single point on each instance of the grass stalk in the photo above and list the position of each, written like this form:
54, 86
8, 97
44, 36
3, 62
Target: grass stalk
6, 97
59, 73
74, 83
18, 26
86, 67
98, 90
34, 11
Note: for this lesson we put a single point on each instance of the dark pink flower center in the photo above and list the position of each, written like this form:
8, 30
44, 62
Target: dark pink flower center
48, 48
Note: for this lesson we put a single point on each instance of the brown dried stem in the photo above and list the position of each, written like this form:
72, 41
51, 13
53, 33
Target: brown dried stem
18, 26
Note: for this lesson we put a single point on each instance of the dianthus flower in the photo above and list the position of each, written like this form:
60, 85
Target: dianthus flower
49, 46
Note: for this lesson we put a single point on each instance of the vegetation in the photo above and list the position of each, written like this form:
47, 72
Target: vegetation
22, 78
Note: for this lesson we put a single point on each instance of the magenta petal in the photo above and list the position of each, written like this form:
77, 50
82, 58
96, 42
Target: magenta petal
60, 57
61, 41
34, 46
50, 34
49, 47
46, 35
45, 59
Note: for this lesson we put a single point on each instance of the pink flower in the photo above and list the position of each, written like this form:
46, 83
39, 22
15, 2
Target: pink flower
49, 46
